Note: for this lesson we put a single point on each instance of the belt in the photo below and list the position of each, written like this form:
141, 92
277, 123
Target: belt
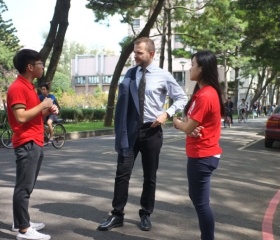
148, 125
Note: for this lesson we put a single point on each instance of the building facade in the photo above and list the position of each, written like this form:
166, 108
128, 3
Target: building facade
89, 72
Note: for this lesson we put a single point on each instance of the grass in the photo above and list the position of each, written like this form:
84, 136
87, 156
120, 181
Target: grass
84, 126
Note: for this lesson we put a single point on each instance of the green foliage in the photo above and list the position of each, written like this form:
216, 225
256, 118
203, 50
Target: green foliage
105, 8
84, 126
61, 83
78, 114
2, 116
126, 41
71, 114
81, 115
261, 36
7, 30
88, 114
6, 57
9, 44
217, 29
67, 114
181, 53
99, 114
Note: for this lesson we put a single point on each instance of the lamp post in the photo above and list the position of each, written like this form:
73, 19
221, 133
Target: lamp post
183, 72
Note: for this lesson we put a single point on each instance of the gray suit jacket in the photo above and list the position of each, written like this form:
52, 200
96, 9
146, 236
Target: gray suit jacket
127, 114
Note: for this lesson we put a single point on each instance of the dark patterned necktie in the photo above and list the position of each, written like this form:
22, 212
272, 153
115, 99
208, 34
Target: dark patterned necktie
141, 95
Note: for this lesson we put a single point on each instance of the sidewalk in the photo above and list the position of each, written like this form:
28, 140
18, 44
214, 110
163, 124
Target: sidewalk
86, 134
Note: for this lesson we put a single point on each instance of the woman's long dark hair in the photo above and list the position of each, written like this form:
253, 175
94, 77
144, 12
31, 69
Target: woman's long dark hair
209, 75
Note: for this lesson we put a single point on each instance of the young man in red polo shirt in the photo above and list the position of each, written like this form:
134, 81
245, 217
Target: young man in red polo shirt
25, 115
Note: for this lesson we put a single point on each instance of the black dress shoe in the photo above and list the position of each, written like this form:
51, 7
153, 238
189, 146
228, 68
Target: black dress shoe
112, 222
145, 224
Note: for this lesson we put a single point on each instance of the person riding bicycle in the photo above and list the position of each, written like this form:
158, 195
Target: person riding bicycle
229, 108
242, 108
52, 117
227, 120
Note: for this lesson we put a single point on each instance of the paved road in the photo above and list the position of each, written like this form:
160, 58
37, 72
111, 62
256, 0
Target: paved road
75, 188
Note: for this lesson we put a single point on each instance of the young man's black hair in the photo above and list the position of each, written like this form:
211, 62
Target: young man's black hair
25, 57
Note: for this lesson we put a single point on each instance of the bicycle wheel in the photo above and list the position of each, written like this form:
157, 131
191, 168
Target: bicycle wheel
6, 138
239, 118
46, 135
246, 116
59, 136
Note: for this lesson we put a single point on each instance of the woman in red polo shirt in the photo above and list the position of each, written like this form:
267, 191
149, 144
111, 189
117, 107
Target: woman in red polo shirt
203, 126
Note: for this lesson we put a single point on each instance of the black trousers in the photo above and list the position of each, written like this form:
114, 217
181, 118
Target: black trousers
29, 158
149, 143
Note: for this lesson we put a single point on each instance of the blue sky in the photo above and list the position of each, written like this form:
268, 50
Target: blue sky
32, 19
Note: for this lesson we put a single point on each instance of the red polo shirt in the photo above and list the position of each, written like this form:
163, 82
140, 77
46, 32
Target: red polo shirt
205, 109
23, 92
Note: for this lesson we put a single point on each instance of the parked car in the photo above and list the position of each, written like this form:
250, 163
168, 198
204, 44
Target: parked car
272, 129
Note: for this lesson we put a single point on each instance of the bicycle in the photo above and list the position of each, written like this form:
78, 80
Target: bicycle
59, 134
6, 135
227, 119
242, 115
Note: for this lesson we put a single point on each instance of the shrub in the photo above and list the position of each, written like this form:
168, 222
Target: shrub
67, 114
99, 114
78, 115
88, 114
2, 115
82, 114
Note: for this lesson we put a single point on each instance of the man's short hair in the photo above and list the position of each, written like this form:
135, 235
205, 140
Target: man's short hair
149, 43
25, 57
45, 85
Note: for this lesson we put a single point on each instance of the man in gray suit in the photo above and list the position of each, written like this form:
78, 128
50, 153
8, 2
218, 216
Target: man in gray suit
138, 121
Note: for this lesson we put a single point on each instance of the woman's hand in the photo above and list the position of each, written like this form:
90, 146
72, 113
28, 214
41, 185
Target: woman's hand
196, 132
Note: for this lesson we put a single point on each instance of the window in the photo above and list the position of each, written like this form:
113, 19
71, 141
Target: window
93, 80
107, 79
177, 38
136, 23
178, 76
80, 80
121, 78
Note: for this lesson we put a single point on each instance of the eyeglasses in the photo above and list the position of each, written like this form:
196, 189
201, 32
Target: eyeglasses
41, 63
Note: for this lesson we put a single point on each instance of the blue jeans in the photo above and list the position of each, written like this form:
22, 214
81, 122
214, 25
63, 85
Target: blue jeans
29, 157
199, 172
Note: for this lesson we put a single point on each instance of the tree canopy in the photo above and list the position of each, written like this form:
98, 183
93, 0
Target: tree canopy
9, 44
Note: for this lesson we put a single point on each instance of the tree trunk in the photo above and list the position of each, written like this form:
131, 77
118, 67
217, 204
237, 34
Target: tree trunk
236, 86
261, 86
225, 75
169, 47
55, 39
122, 60
163, 39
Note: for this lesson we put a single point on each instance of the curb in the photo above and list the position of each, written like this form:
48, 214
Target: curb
87, 134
